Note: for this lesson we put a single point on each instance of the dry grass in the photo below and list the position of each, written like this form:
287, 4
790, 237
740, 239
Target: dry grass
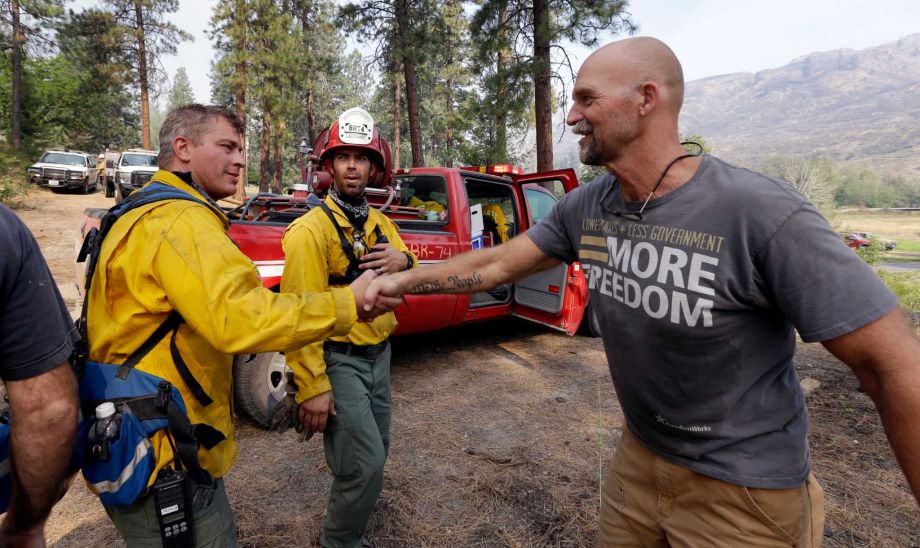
898, 226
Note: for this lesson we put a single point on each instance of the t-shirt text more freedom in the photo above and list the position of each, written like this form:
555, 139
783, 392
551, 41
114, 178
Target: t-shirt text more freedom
666, 282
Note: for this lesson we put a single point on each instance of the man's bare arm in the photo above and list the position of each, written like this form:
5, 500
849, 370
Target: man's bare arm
467, 273
43, 410
885, 355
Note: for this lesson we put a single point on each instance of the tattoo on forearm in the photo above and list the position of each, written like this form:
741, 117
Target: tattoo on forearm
453, 284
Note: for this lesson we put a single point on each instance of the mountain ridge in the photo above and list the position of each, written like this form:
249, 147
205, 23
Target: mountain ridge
849, 105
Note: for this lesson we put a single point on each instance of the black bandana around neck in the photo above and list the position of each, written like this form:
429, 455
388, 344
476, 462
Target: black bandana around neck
356, 209
186, 176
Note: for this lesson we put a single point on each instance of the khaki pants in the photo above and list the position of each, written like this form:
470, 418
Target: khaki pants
648, 501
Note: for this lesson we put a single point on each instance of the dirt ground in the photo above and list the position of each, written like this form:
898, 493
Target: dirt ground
500, 437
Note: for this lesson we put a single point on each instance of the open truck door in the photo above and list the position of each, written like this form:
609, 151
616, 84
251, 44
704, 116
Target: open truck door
556, 297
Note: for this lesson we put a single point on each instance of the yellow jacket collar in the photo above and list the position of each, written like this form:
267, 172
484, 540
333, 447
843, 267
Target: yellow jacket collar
171, 179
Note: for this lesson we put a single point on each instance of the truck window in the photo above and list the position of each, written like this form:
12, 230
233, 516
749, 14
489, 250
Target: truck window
423, 202
499, 211
540, 203
63, 158
138, 160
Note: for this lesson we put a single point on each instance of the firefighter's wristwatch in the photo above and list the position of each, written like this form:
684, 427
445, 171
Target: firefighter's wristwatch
410, 261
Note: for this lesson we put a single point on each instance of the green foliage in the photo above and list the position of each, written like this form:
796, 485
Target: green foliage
510, 63
871, 253
12, 175
79, 96
862, 186
181, 91
906, 285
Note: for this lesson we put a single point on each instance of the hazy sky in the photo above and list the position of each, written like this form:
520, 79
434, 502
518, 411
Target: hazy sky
710, 37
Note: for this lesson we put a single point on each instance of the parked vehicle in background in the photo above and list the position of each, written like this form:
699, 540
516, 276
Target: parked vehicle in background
857, 240
106, 170
885, 243
853, 241
135, 167
60, 169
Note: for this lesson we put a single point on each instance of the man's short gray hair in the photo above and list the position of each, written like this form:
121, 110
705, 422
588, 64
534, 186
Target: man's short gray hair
191, 121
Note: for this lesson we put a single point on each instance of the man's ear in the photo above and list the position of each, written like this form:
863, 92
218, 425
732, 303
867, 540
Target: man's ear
181, 148
649, 92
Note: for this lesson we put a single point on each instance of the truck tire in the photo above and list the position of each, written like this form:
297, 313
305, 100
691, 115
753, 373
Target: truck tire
590, 324
259, 382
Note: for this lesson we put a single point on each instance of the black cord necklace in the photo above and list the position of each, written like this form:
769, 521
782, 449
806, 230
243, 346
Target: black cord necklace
638, 215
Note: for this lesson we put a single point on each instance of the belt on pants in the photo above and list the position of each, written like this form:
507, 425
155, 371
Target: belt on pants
369, 352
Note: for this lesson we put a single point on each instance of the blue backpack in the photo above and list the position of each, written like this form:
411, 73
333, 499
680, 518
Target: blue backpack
145, 403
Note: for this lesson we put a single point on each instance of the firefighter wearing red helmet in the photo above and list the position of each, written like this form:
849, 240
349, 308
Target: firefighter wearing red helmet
336, 379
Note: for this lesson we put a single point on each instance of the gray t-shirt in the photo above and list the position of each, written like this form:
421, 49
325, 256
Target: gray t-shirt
36, 332
697, 304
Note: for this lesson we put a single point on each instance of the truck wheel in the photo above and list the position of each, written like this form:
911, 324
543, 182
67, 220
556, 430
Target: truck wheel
118, 196
259, 384
590, 324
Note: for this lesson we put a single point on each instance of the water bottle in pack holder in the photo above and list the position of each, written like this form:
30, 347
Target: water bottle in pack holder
105, 430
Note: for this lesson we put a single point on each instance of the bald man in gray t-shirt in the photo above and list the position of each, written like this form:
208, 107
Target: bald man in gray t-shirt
700, 272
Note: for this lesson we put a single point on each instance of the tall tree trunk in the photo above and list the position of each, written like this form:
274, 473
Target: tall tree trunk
142, 73
18, 40
397, 119
408, 62
543, 85
311, 115
240, 96
264, 148
240, 194
499, 153
311, 106
276, 142
449, 131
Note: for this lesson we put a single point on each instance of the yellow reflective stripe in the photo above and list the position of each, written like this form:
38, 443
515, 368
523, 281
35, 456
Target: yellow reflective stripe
113, 486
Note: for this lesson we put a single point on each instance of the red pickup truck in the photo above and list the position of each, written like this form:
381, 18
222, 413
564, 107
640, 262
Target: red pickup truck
440, 212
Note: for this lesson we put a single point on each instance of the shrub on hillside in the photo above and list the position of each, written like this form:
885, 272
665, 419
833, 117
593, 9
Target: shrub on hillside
12, 176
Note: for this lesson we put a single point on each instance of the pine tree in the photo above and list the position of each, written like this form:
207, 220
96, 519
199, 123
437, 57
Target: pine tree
27, 19
530, 30
401, 29
181, 91
147, 37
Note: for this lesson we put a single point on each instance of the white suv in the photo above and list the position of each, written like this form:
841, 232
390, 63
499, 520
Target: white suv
134, 168
58, 169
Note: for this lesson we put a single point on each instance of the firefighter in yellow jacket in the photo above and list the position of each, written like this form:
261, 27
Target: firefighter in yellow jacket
175, 255
344, 382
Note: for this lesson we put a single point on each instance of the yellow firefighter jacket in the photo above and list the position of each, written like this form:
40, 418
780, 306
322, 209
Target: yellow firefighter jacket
176, 255
313, 253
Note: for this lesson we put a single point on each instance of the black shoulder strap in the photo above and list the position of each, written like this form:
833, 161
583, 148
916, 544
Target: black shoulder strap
92, 243
353, 271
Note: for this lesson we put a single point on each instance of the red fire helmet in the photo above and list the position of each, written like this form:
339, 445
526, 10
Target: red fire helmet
355, 128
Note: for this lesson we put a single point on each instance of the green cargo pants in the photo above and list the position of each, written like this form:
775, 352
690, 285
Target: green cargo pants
214, 527
356, 442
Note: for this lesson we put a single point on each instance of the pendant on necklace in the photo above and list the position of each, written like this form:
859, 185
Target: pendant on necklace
358, 246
